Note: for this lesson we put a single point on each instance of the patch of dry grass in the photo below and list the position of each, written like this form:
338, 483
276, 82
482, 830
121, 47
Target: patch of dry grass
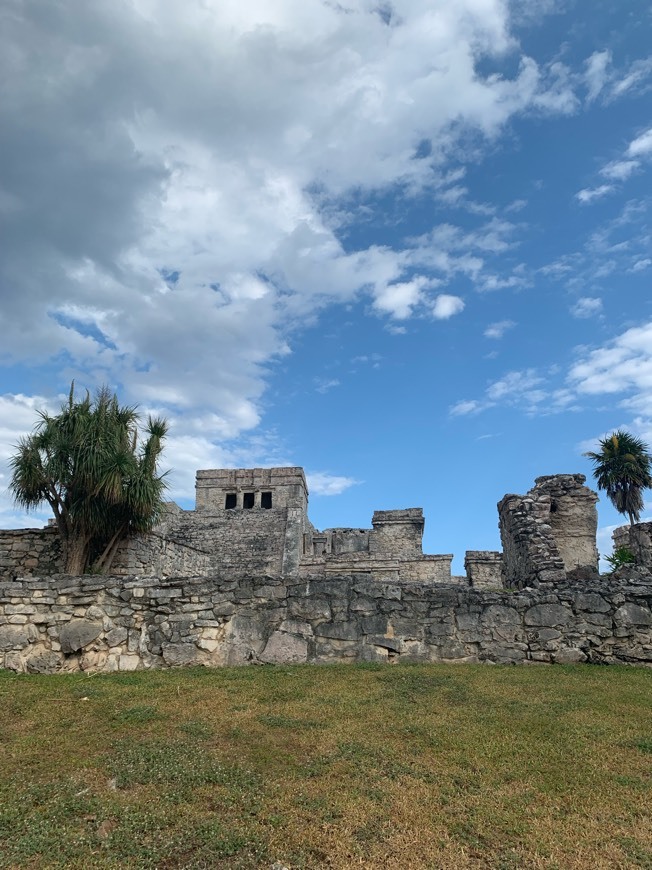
343, 766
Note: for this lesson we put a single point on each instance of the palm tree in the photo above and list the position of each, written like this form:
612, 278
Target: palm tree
101, 483
622, 468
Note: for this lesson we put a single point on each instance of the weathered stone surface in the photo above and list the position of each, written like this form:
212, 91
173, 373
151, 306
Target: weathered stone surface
548, 614
285, 649
77, 634
13, 637
592, 602
497, 614
43, 662
569, 656
632, 614
177, 654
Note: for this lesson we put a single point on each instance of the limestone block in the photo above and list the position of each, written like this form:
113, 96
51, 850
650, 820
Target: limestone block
128, 662
591, 601
337, 630
116, 636
632, 614
295, 626
548, 614
13, 637
77, 634
498, 614
285, 649
43, 662
313, 609
176, 654
571, 656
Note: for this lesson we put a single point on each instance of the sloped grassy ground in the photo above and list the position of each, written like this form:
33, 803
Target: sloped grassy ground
343, 766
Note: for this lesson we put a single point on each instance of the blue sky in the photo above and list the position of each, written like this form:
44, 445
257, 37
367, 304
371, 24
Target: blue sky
406, 245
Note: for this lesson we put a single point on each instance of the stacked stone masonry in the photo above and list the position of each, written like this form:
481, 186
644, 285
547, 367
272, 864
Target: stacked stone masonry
245, 577
105, 624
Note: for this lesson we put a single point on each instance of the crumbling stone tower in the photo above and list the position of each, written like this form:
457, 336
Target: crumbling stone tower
549, 533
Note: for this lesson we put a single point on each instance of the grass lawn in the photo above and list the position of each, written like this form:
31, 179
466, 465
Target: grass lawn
340, 766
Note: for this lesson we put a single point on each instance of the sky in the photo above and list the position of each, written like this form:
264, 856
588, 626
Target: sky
406, 245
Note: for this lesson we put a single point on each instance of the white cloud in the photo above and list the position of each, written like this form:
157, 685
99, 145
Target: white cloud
619, 170
465, 407
587, 306
596, 75
641, 146
446, 306
589, 194
498, 329
623, 365
175, 215
322, 483
641, 265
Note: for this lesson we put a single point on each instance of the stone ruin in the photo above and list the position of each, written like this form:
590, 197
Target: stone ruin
246, 577
255, 521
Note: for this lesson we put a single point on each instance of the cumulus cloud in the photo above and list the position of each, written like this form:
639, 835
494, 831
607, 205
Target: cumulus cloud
447, 306
586, 306
596, 74
497, 330
619, 170
588, 194
322, 483
170, 182
623, 365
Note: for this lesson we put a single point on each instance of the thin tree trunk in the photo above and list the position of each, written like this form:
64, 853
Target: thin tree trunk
107, 550
77, 554
112, 554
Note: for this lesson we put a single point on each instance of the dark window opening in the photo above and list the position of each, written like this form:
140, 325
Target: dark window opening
230, 501
553, 507
266, 500
248, 500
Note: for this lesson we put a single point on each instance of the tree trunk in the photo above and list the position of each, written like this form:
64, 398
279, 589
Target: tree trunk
77, 554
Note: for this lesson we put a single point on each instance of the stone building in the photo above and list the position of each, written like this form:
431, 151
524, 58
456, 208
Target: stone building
254, 521
245, 577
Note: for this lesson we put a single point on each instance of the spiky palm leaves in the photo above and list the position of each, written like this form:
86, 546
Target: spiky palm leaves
101, 483
622, 469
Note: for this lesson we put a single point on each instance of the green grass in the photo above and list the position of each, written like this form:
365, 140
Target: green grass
339, 766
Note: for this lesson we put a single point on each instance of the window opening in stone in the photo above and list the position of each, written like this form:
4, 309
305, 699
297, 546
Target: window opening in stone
248, 500
230, 501
266, 500
553, 507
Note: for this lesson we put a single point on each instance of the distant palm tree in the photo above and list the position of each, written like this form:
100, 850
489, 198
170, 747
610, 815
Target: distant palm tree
622, 468
100, 481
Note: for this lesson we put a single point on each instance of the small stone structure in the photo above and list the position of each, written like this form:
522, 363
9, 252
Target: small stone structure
550, 532
246, 577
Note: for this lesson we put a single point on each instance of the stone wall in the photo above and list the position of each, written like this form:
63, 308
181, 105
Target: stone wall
154, 555
27, 552
484, 569
638, 540
118, 623
549, 532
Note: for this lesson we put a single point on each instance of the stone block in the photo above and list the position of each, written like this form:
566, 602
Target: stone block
77, 634
43, 662
178, 654
570, 656
13, 637
632, 614
337, 630
548, 615
285, 649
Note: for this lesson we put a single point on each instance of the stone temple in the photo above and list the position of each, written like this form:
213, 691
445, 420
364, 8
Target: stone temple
246, 577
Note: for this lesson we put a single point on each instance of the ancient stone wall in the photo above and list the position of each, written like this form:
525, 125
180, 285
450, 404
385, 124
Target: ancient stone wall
26, 552
118, 623
484, 569
549, 532
638, 540
154, 555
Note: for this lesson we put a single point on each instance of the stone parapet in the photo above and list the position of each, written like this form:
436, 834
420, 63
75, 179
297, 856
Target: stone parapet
484, 569
638, 540
90, 623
